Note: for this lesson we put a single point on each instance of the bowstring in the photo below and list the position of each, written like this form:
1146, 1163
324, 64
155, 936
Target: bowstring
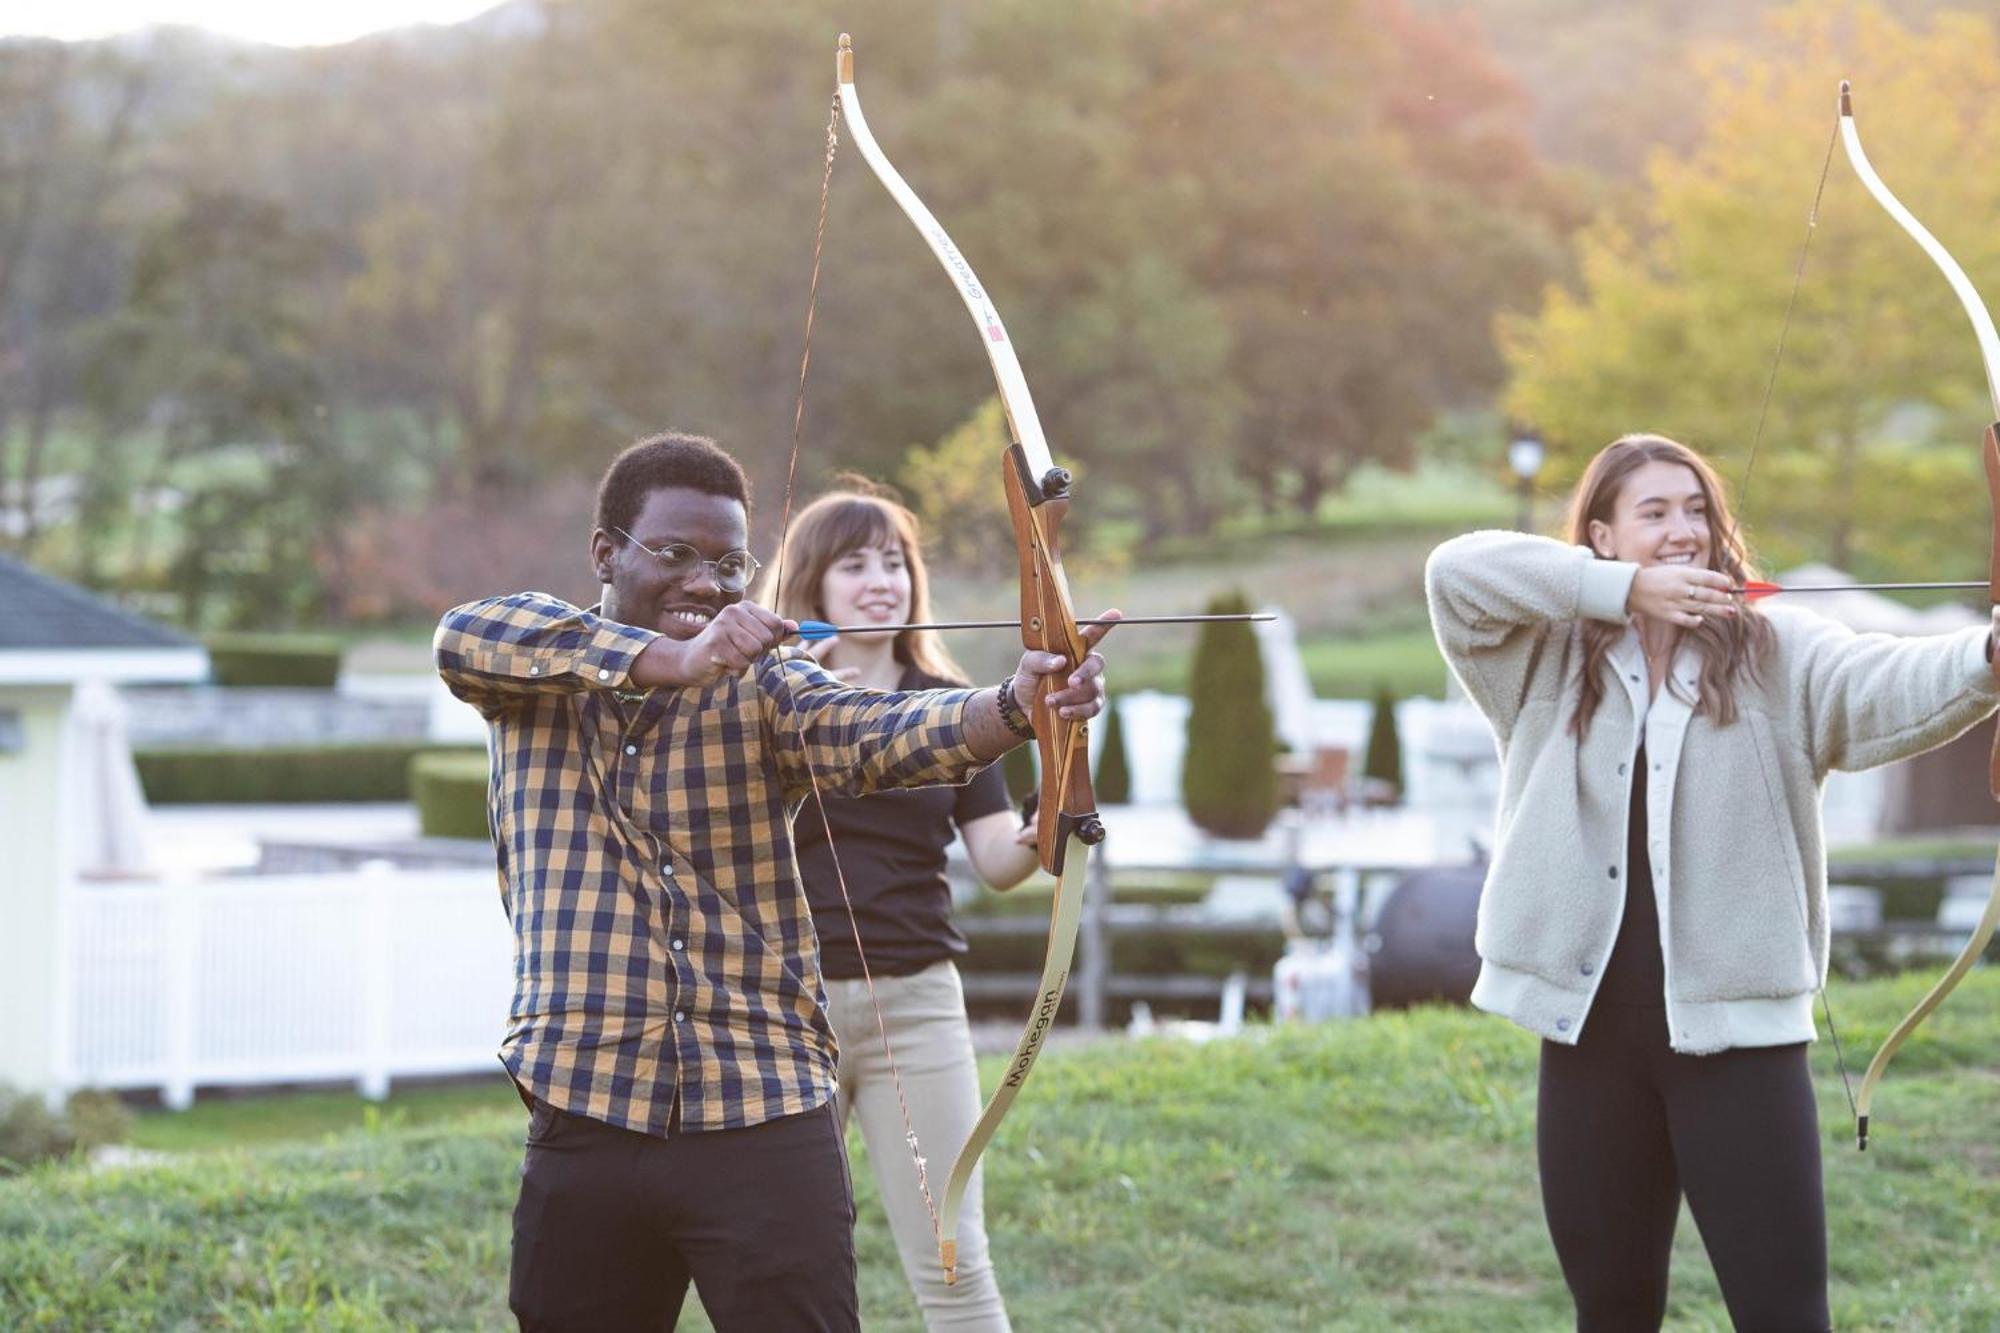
1784, 330
1741, 507
777, 582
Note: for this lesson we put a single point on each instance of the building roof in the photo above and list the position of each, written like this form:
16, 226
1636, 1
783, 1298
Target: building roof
54, 632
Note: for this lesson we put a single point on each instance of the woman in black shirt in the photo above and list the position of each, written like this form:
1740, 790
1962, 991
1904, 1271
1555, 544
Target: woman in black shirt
854, 559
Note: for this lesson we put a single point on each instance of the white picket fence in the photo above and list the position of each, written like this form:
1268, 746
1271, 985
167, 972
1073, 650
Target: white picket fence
367, 976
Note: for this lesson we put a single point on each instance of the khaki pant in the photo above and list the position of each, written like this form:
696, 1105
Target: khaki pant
925, 1016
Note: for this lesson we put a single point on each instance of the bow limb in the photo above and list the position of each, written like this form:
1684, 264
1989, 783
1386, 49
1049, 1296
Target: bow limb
1989, 353
1037, 499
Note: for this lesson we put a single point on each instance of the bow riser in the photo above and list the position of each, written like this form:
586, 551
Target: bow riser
1048, 624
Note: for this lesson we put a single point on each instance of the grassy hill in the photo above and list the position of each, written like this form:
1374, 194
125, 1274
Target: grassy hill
1368, 1176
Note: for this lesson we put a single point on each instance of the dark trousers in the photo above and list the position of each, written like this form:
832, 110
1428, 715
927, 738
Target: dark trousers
1625, 1126
612, 1225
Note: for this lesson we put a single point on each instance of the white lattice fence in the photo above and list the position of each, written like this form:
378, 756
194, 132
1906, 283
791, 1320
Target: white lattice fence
272, 979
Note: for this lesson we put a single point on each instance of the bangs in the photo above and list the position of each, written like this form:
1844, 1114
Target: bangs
853, 524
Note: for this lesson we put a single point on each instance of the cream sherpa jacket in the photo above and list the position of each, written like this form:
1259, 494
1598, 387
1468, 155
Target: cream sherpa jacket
1732, 813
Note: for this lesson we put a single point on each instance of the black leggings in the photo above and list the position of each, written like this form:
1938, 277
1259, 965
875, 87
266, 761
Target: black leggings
1625, 1125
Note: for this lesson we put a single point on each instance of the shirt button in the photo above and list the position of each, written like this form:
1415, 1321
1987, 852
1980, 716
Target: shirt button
680, 1016
534, 671
1621, 770
1589, 968
680, 944
1635, 680
1612, 872
603, 674
631, 749
1562, 1025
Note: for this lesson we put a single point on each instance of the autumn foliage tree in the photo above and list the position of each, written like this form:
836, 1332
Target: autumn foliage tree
1867, 456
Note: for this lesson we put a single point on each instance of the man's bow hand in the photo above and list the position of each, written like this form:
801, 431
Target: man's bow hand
1082, 694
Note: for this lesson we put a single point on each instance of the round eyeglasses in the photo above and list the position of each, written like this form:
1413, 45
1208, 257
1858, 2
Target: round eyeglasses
732, 571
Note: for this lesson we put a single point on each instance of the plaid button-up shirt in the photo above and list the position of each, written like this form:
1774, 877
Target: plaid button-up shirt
664, 957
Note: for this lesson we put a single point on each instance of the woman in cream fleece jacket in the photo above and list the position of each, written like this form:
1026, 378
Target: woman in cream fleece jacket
1656, 906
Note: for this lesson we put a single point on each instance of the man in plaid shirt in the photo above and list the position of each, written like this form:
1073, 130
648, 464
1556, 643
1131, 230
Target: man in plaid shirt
668, 1030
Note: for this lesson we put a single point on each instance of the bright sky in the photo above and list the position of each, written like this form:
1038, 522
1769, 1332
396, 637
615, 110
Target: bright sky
285, 22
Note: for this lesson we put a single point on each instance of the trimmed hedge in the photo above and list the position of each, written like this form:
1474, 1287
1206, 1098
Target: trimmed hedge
1135, 955
450, 792
1034, 898
307, 661
208, 775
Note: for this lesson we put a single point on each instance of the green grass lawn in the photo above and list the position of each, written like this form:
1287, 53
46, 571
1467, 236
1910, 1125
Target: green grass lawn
249, 1121
1369, 1176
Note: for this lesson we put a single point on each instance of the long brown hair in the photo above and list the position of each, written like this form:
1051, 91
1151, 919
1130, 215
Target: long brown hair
841, 522
1732, 647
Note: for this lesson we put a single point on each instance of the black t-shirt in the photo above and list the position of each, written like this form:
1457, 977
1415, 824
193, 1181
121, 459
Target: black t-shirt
892, 850
1637, 974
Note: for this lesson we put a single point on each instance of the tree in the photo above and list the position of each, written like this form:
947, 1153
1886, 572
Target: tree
68, 119
1357, 271
955, 488
1242, 249
1384, 763
215, 353
1673, 324
1229, 779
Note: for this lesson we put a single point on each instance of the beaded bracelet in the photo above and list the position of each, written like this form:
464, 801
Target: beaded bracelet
1011, 712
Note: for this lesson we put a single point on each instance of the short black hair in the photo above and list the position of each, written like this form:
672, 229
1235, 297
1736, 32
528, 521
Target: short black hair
660, 461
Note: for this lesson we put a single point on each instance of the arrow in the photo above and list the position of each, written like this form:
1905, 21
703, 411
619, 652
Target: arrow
1753, 589
813, 631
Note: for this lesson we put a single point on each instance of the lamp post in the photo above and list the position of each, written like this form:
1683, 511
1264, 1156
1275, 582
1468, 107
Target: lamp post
1524, 455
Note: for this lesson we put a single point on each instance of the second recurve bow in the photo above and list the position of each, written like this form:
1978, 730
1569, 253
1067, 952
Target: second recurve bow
1989, 353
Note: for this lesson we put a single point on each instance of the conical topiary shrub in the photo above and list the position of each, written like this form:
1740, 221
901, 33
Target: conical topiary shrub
1229, 779
1385, 749
1114, 769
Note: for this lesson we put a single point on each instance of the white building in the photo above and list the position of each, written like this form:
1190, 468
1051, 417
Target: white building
56, 640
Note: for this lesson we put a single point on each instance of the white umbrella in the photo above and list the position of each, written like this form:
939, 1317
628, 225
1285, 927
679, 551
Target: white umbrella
1287, 688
